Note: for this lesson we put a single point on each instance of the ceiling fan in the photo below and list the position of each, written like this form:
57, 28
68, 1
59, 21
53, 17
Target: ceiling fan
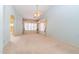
37, 12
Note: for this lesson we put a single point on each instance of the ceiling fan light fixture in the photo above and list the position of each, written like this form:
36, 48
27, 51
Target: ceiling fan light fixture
37, 13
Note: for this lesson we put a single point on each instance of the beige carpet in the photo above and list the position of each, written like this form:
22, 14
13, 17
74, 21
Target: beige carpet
37, 44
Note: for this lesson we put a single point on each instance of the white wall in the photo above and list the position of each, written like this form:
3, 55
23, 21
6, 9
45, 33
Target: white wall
1, 28
9, 10
18, 25
63, 23
5, 12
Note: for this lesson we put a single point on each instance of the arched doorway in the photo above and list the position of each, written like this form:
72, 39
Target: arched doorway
12, 24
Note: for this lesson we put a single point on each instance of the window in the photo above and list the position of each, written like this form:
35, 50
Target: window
30, 26
42, 27
36, 26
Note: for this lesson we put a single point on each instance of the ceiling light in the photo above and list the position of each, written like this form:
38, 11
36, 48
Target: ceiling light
37, 12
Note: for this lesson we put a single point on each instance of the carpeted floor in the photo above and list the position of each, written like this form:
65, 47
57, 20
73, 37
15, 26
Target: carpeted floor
37, 44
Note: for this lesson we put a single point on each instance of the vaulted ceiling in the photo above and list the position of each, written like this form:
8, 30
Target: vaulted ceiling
27, 11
